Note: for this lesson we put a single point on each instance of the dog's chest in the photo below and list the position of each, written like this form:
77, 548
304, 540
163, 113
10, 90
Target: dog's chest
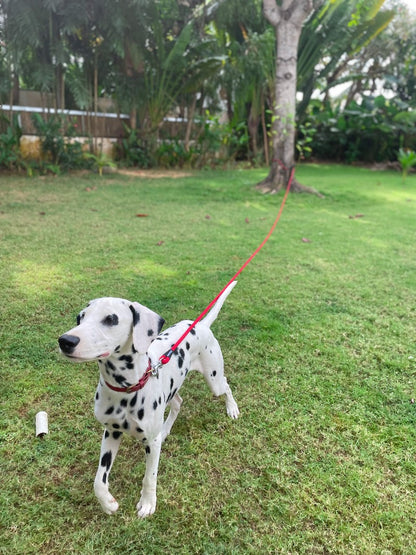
135, 414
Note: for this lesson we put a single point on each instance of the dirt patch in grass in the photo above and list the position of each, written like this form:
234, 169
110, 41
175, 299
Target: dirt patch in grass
155, 174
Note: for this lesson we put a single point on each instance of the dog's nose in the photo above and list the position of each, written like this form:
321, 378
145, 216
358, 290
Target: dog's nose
68, 343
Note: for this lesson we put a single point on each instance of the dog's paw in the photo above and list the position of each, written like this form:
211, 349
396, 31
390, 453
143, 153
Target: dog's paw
146, 507
108, 504
232, 409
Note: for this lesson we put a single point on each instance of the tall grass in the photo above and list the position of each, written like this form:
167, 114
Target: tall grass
319, 345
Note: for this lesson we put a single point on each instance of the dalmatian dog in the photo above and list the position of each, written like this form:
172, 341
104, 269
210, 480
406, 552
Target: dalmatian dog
133, 393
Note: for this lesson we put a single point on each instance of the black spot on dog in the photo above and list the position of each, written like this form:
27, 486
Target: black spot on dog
127, 358
116, 435
117, 349
140, 414
187, 346
105, 478
154, 405
110, 320
133, 401
193, 332
214, 373
118, 411
171, 395
136, 315
139, 430
116, 426
125, 425
160, 400
147, 450
106, 434
119, 379
110, 410
150, 333
180, 362
109, 365
124, 402
106, 460
182, 353
97, 396
171, 383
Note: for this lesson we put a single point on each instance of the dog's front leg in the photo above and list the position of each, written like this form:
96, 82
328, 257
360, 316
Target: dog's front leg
109, 447
147, 504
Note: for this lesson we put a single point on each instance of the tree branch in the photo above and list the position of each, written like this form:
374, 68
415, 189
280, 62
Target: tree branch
271, 12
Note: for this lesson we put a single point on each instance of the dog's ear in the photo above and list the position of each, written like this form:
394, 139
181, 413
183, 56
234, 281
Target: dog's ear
146, 326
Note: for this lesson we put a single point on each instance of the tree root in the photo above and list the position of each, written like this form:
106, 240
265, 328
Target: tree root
268, 187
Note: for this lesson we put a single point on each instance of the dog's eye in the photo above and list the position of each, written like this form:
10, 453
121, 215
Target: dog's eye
110, 320
80, 317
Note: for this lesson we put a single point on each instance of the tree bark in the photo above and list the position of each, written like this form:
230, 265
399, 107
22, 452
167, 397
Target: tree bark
287, 20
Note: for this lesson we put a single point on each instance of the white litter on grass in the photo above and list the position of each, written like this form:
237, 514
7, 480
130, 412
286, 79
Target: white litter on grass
41, 423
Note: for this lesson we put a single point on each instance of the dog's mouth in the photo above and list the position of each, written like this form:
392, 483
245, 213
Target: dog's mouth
75, 358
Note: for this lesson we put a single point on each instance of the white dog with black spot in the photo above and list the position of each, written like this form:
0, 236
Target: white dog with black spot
124, 337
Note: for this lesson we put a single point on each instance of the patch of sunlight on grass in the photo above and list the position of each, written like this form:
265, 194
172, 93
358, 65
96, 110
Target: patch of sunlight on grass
32, 278
150, 268
400, 193
257, 206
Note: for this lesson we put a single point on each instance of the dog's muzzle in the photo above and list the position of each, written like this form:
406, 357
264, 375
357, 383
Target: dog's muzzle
67, 343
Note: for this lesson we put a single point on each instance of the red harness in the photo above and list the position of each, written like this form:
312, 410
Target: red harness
165, 358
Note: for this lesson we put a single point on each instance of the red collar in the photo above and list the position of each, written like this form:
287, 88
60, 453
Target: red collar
139, 385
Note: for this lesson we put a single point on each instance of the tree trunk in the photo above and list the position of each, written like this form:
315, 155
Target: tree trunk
190, 121
265, 136
287, 20
253, 125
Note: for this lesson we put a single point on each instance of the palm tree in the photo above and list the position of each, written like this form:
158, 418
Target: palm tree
331, 39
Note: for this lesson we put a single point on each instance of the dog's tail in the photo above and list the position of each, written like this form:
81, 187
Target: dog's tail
212, 315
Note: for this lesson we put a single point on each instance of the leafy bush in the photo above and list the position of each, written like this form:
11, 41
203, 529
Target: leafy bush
133, 151
173, 153
10, 144
60, 150
407, 159
372, 131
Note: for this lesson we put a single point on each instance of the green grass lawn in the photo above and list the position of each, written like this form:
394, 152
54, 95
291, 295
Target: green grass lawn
319, 345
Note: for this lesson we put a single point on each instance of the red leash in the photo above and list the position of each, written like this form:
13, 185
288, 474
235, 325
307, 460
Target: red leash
165, 358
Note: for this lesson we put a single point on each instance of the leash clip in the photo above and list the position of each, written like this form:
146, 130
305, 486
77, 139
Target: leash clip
155, 368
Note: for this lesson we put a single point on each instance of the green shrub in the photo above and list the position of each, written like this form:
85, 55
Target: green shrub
60, 150
133, 151
10, 144
407, 159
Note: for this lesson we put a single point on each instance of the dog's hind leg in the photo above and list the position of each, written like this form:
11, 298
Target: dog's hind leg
212, 367
109, 448
147, 504
175, 406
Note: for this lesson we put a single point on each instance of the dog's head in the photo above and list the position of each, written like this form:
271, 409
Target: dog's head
106, 325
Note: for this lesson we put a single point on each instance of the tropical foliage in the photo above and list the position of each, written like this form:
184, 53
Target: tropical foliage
213, 64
